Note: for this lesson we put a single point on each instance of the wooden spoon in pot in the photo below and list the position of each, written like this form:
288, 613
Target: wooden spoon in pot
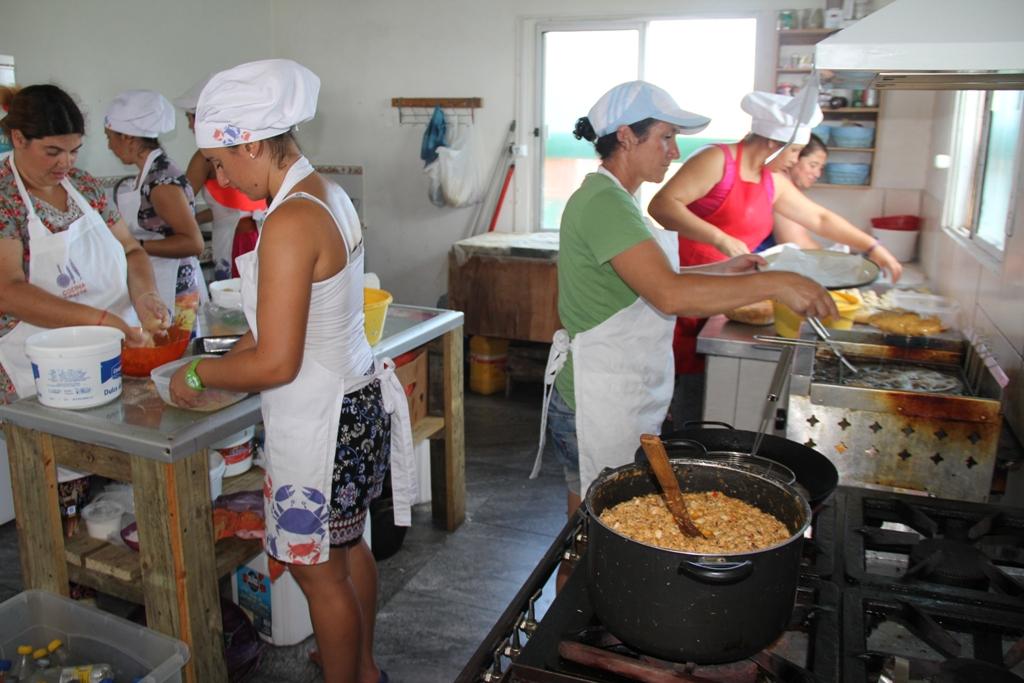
654, 449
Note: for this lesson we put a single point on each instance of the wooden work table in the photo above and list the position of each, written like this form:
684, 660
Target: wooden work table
162, 452
507, 283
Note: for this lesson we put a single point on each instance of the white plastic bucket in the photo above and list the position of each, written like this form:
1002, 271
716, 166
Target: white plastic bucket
216, 475
278, 609
236, 451
902, 243
76, 367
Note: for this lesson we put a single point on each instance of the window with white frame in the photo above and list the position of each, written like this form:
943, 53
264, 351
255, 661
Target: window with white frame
986, 158
580, 63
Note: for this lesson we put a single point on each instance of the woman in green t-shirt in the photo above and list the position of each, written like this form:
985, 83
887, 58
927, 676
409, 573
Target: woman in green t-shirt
610, 372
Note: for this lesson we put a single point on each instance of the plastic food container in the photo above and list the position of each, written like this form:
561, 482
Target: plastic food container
103, 518
375, 310
138, 361
76, 367
211, 399
945, 309
824, 132
846, 174
853, 136
236, 450
787, 322
227, 293
902, 243
91, 635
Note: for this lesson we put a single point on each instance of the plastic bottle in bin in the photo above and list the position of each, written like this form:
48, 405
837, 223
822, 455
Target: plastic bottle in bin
86, 673
58, 653
23, 662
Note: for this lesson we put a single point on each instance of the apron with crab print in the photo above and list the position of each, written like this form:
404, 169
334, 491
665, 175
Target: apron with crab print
301, 418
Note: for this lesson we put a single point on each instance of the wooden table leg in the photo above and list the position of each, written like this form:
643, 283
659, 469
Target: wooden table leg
448, 478
37, 510
179, 572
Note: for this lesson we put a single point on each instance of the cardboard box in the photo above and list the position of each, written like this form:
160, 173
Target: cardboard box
411, 370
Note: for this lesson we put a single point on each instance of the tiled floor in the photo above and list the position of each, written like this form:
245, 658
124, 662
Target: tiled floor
442, 592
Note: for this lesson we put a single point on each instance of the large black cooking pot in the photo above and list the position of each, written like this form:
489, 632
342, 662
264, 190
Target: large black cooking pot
815, 473
687, 607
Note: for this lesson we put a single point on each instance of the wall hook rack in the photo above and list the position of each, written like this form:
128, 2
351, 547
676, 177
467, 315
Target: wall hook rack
418, 110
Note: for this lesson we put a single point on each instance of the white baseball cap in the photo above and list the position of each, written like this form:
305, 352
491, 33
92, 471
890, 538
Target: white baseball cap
255, 101
190, 98
143, 113
774, 116
635, 101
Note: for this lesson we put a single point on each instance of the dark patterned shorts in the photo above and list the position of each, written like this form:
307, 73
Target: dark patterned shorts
360, 462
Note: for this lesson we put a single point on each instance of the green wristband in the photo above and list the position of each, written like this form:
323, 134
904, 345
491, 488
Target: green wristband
192, 378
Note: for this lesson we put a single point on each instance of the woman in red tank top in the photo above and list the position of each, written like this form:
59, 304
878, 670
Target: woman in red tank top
721, 202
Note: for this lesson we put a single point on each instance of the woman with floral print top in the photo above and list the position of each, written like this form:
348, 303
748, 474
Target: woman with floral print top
46, 127
158, 204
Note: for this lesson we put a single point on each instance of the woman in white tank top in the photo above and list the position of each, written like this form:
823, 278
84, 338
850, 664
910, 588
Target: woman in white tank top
325, 408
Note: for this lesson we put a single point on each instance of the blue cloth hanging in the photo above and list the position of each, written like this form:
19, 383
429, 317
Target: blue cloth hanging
433, 136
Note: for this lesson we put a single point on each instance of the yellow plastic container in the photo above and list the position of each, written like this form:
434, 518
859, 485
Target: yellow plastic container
375, 310
787, 322
488, 357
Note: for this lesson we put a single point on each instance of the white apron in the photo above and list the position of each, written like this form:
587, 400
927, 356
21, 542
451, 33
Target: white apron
301, 421
165, 270
224, 220
84, 263
624, 376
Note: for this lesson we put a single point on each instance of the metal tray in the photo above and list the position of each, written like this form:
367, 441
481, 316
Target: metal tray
820, 264
215, 345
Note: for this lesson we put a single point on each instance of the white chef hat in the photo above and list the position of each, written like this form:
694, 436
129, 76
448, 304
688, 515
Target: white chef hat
774, 116
143, 113
255, 101
635, 101
188, 99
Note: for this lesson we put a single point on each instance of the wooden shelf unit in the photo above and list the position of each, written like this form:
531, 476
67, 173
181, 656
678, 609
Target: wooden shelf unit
807, 38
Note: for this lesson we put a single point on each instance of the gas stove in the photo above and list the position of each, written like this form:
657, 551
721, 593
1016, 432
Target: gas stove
954, 550
873, 604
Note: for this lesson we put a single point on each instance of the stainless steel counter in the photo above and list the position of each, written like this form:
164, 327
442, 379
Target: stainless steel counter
139, 422
724, 337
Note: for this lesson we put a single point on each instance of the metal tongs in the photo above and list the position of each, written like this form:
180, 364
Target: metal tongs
823, 334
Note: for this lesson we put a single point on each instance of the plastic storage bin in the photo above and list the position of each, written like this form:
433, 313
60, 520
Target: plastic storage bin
212, 399
278, 609
847, 174
824, 132
90, 635
853, 136
488, 357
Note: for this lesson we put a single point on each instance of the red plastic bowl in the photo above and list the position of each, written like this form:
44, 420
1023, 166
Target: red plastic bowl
138, 361
897, 222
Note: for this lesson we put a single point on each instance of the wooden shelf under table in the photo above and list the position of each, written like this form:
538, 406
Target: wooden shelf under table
117, 570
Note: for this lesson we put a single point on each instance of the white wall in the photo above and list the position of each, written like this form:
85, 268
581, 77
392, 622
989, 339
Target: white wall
366, 53
96, 48
989, 291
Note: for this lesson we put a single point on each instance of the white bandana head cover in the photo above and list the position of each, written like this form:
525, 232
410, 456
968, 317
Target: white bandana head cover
635, 101
255, 101
774, 117
188, 99
143, 113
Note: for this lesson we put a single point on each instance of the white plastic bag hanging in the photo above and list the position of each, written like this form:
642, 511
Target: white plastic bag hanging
460, 168
433, 173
